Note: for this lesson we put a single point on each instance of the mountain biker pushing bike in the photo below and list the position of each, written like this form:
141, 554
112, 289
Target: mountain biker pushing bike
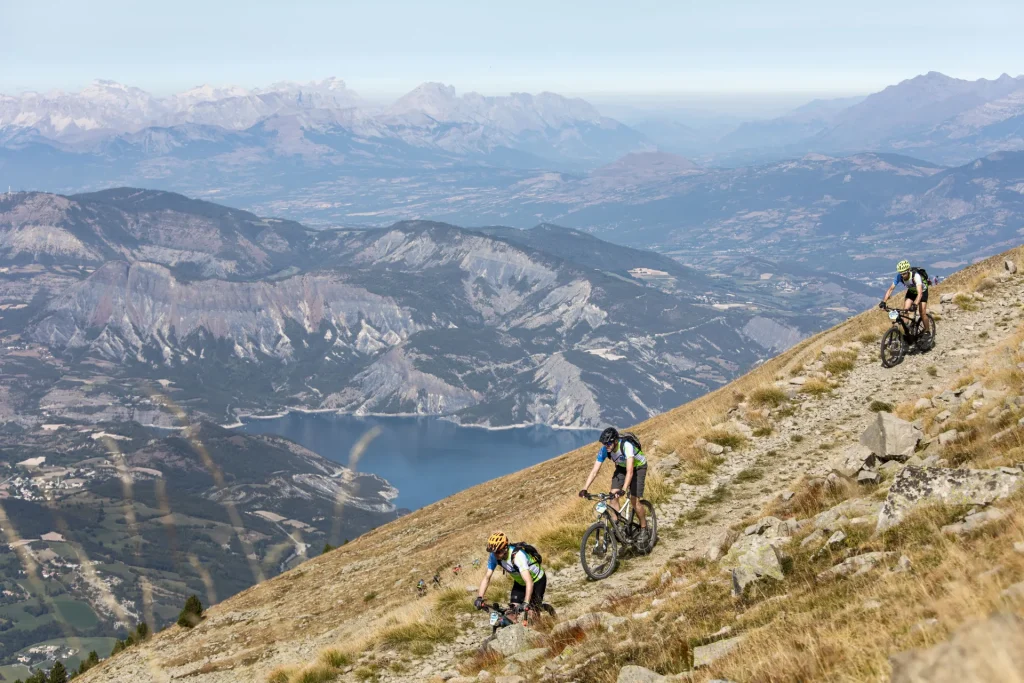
630, 471
917, 291
528, 579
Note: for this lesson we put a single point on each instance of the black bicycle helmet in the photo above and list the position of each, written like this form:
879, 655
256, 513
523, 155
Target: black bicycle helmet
609, 436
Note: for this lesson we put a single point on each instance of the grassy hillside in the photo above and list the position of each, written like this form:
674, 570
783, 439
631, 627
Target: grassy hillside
353, 613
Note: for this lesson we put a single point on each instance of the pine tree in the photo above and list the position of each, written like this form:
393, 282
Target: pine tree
192, 614
94, 658
327, 548
58, 674
141, 632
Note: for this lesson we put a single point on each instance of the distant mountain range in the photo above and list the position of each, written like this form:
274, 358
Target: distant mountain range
233, 314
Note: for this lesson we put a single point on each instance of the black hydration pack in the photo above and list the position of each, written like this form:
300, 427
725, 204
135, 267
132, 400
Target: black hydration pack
530, 551
633, 439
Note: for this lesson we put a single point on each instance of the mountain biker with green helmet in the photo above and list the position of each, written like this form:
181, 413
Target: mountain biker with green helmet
917, 291
630, 471
528, 579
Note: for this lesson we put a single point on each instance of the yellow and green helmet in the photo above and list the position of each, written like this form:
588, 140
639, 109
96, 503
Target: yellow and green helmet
903, 266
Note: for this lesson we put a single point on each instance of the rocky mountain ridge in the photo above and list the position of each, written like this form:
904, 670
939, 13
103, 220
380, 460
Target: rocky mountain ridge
488, 327
821, 518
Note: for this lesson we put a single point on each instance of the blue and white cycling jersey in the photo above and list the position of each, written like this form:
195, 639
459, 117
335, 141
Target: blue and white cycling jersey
622, 454
915, 282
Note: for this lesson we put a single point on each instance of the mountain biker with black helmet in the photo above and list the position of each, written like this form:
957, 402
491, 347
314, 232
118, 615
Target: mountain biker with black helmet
528, 579
630, 471
917, 291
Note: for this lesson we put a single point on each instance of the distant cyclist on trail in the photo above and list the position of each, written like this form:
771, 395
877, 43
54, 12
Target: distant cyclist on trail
916, 282
630, 470
520, 561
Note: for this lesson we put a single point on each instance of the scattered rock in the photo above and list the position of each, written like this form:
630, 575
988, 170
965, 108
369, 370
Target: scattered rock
947, 297
632, 673
856, 565
947, 437
798, 381
868, 477
835, 540
1018, 547
531, 655
666, 465
513, 640
788, 495
705, 655
978, 652
815, 538
771, 527
714, 448
924, 625
752, 558
944, 415
871, 604
852, 460
904, 565
916, 485
891, 438
923, 404
509, 679
1009, 266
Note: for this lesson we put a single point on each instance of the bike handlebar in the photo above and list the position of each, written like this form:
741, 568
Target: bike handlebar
600, 496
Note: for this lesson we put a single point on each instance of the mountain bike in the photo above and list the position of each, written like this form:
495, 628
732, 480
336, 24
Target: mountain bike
906, 331
506, 616
599, 549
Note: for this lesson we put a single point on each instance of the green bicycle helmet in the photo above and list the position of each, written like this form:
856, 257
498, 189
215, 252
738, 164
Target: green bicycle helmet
903, 266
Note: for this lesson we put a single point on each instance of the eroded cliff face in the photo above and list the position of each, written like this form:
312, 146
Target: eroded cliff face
421, 318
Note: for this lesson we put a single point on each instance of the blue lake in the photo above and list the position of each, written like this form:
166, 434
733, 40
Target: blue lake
426, 459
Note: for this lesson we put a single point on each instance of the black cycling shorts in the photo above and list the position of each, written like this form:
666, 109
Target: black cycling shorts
912, 295
636, 484
519, 592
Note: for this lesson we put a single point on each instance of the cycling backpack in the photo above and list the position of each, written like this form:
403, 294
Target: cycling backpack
528, 549
633, 439
923, 273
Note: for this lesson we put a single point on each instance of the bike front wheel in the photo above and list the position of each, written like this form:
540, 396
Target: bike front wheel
894, 347
599, 551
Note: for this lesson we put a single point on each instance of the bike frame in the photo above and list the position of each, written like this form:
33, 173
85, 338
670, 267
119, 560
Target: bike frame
620, 520
902, 321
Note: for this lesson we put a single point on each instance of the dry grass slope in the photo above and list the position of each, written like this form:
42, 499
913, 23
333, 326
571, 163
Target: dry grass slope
312, 623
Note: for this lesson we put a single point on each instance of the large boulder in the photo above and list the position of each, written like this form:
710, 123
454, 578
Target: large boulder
978, 652
914, 486
891, 438
514, 639
752, 558
666, 465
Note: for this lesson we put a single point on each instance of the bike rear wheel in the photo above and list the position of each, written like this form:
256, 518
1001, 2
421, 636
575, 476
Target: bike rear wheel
599, 551
927, 342
894, 348
652, 527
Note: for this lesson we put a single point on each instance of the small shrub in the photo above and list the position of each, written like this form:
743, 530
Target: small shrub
369, 597
816, 387
327, 548
749, 474
366, 673
965, 302
932, 370
880, 407
429, 632
983, 335
763, 431
318, 673
797, 438
985, 284
724, 438
279, 675
840, 362
336, 658
192, 613
868, 337
767, 397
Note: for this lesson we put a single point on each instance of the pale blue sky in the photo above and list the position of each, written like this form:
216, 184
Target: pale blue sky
585, 47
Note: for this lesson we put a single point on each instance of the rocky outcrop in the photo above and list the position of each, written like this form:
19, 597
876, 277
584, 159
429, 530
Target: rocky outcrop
915, 486
514, 639
891, 438
978, 652
756, 554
